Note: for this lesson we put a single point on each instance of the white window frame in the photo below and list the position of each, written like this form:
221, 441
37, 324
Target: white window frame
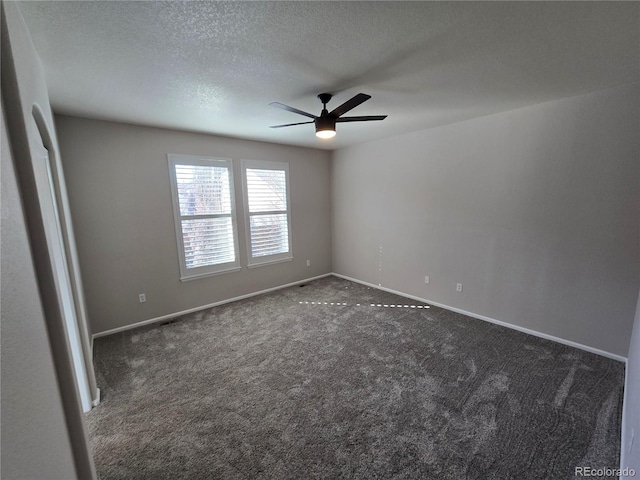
266, 259
207, 270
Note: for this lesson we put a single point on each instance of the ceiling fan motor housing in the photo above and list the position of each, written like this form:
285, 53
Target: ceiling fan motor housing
325, 123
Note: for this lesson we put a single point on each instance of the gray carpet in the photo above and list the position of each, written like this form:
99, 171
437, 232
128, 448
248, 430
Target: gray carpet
316, 382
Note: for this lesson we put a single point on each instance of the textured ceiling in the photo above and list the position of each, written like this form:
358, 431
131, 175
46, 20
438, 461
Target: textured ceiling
214, 66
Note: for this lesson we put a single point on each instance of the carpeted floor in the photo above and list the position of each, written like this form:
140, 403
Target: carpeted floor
337, 380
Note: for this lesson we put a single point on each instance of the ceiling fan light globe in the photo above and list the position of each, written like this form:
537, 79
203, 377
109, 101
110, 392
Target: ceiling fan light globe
325, 134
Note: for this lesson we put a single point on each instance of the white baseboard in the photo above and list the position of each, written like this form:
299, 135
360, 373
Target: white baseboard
96, 401
492, 320
196, 309
625, 405
448, 307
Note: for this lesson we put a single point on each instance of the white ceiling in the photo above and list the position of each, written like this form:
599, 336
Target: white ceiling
215, 66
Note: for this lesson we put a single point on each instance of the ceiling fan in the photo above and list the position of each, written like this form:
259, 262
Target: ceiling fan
326, 122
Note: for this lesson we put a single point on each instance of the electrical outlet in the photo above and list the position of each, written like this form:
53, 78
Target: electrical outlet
458, 287
308, 263
142, 298
426, 279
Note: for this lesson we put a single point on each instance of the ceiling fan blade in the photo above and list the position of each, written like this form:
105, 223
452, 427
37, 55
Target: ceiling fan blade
289, 124
291, 109
366, 118
349, 104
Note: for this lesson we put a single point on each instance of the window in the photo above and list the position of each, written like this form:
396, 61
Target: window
266, 193
204, 213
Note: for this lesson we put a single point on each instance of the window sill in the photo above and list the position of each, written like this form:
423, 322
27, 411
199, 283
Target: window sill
270, 262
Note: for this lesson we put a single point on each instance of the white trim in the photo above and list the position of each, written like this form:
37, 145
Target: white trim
492, 320
535, 333
203, 307
53, 232
256, 265
625, 406
96, 401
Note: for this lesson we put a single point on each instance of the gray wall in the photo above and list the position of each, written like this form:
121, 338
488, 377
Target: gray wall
534, 210
630, 449
35, 443
43, 433
118, 183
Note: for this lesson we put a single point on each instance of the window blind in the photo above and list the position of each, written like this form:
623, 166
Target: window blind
203, 195
268, 216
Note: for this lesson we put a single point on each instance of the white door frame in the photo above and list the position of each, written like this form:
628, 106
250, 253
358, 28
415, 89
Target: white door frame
59, 265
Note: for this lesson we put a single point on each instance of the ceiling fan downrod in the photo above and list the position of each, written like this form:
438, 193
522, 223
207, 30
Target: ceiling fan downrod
324, 98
